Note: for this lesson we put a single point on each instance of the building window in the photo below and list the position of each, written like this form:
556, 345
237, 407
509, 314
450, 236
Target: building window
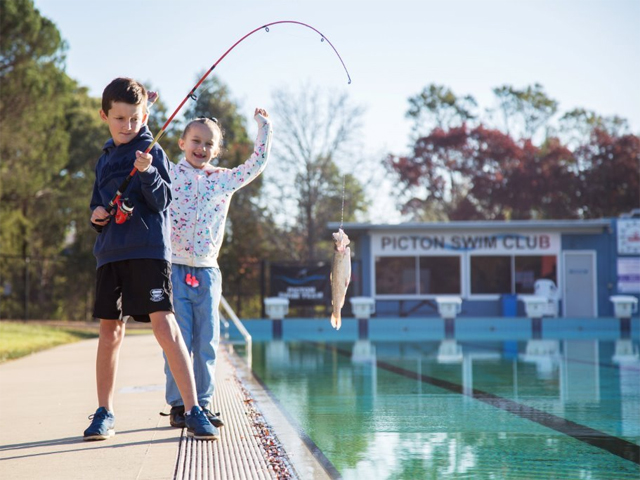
418, 275
490, 274
440, 275
396, 275
529, 269
494, 274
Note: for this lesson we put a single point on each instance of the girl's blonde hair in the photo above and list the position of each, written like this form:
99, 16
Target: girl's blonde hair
211, 122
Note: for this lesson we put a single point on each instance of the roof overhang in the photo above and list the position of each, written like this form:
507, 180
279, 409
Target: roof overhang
562, 226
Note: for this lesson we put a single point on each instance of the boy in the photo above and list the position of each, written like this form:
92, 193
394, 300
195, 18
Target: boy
134, 274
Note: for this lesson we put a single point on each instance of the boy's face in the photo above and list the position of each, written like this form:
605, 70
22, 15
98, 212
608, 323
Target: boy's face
124, 120
199, 145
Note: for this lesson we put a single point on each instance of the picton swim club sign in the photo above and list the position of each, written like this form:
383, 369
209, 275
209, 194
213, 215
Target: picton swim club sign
495, 243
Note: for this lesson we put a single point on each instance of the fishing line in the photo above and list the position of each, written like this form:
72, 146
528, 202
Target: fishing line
116, 199
342, 212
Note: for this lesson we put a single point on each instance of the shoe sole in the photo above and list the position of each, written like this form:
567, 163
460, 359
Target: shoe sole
209, 438
92, 438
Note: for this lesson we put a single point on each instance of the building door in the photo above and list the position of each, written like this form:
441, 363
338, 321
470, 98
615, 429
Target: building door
580, 284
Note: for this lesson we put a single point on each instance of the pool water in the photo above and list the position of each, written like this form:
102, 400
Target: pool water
417, 400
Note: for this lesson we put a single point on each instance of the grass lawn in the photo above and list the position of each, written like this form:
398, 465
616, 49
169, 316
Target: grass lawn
18, 339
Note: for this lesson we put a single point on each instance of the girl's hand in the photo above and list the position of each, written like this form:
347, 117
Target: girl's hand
143, 161
260, 112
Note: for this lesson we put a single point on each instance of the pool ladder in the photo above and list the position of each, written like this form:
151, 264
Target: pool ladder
227, 314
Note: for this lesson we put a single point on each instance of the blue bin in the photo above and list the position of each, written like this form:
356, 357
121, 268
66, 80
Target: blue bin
509, 305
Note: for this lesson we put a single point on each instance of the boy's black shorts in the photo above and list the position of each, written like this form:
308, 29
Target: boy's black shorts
133, 288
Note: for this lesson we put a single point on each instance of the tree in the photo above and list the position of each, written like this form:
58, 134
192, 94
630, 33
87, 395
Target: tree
577, 125
435, 109
158, 116
50, 139
525, 111
610, 174
528, 182
316, 132
427, 184
75, 269
587, 167
34, 143
438, 107
27, 36
483, 174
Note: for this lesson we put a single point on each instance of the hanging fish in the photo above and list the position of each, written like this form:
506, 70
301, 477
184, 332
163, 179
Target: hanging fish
340, 275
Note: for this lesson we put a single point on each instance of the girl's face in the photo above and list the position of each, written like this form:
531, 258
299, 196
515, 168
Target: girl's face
200, 144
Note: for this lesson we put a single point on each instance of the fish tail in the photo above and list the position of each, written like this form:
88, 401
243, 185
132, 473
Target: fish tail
336, 320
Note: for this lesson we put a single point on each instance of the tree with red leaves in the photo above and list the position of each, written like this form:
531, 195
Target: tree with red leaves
609, 173
459, 172
480, 173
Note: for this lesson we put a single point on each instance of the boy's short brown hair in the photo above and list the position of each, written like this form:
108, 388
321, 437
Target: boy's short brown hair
123, 89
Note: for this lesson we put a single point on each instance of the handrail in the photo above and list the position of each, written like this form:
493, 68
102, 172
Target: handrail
243, 331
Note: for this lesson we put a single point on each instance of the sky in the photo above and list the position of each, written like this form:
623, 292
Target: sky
585, 53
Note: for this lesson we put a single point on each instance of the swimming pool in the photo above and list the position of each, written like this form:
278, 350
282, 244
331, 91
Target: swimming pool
475, 398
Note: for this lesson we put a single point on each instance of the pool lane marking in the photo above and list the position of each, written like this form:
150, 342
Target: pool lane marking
329, 467
614, 445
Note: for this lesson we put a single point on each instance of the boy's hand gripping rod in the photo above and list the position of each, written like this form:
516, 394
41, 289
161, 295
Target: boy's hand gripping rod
116, 200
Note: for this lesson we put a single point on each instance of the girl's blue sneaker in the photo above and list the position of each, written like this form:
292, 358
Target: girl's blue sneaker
199, 426
102, 425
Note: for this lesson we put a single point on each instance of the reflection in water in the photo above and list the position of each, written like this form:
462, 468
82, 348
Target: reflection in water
626, 355
580, 372
449, 351
363, 352
369, 408
545, 354
277, 354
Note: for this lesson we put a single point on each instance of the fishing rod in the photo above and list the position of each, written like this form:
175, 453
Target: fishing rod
123, 209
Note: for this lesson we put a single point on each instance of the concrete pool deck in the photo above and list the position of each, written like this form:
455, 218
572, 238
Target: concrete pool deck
45, 399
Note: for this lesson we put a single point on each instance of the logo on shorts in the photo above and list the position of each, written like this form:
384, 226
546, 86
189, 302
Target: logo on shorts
157, 294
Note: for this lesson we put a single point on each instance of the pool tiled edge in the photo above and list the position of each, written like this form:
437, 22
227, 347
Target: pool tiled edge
306, 459
245, 449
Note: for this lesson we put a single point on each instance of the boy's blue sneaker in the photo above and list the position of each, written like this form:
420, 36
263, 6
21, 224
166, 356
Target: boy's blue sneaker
102, 425
199, 426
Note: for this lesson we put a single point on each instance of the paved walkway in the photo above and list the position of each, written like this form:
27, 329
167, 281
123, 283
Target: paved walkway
45, 400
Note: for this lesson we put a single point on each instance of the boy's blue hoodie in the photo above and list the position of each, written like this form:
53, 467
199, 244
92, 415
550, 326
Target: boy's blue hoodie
147, 233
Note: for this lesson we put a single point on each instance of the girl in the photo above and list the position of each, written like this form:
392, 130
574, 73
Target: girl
201, 197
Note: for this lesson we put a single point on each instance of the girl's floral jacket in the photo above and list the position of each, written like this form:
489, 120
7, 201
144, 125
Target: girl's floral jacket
201, 202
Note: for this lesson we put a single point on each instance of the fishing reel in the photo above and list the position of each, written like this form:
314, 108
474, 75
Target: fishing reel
124, 210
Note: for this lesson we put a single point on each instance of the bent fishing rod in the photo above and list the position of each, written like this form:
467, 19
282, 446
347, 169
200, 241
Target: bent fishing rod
125, 210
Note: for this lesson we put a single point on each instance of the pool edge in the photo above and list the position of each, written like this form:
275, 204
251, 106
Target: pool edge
306, 458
